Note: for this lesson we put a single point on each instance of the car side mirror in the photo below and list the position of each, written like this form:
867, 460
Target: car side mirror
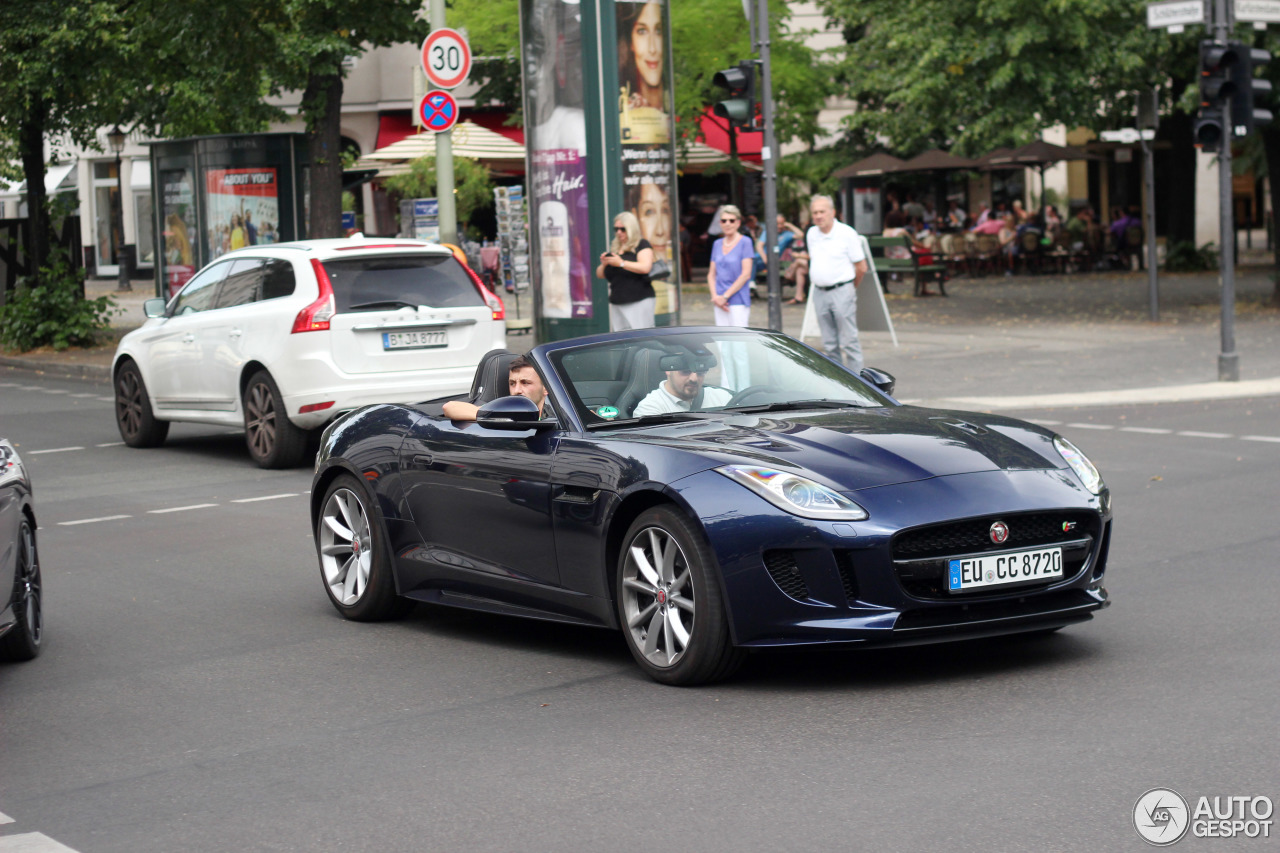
880, 379
513, 413
153, 307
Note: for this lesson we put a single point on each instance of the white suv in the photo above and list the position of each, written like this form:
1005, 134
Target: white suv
281, 339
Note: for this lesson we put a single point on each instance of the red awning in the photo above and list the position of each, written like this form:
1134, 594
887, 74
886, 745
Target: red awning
394, 126
716, 132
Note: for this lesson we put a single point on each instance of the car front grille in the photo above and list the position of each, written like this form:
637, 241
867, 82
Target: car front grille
920, 554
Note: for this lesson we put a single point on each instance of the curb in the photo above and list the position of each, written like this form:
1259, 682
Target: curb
94, 372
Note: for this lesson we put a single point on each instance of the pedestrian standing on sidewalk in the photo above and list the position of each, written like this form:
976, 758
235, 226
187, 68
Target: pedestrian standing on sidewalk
728, 279
626, 267
836, 267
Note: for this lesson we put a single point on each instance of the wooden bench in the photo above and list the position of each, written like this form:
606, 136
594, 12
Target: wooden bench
886, 266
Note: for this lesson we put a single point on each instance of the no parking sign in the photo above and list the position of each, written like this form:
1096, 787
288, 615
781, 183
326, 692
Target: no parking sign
438, 111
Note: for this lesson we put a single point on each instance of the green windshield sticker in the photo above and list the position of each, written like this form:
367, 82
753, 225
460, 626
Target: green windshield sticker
607, 412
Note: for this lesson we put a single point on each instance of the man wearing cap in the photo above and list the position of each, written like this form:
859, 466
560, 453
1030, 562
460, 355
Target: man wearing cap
836, 267
683, 389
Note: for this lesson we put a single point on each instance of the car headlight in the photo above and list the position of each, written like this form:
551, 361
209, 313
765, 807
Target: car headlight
1080, 463
795, 494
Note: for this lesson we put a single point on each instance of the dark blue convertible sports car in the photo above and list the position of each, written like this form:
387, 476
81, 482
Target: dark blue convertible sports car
710, 491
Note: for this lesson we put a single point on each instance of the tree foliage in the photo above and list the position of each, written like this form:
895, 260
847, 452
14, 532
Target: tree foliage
472, 183
977, 74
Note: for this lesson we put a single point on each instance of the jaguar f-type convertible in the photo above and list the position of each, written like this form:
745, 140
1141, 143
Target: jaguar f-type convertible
710, 491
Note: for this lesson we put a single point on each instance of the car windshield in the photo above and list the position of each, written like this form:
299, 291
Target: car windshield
382, 282
648, 379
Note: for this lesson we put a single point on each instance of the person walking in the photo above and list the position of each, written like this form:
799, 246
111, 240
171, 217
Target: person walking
728, 278
626, 267
836, 267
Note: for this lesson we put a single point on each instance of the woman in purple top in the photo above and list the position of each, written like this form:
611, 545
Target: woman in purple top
730, 272
729, 278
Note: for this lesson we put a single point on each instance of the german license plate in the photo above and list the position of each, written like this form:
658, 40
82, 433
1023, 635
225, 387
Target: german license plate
414, 340
1004, 569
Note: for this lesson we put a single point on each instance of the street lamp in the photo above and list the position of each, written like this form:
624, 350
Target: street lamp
115, 141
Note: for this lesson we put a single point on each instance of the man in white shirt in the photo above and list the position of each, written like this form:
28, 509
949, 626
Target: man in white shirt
683, 389
836, 267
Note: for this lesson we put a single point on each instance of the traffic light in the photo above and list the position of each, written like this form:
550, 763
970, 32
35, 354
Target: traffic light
740, 107
1216, 91
1251, 94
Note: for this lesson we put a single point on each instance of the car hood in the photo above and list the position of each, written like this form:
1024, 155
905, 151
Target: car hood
863, 448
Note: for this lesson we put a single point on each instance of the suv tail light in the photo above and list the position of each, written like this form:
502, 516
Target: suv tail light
315, 317
490, 298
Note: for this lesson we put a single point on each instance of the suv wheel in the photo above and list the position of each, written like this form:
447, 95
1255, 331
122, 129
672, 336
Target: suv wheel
273, 440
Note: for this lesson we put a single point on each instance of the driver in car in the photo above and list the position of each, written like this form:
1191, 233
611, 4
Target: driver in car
522, 381
683, 389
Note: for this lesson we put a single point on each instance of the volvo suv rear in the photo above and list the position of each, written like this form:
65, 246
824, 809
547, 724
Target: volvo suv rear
280, 339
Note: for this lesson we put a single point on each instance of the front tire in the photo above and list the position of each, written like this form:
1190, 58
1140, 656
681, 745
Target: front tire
134, 418
273, 440
24, 638
354, 561
669, 602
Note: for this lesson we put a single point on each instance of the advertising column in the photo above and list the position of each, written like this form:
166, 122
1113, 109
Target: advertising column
556, 139
644, 130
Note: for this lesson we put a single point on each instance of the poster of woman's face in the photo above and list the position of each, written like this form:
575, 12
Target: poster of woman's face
651, 205
644, 94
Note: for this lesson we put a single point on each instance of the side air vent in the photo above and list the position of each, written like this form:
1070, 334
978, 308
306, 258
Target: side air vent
782, 567
844, 564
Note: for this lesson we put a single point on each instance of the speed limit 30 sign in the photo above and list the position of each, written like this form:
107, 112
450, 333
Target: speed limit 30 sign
446, 58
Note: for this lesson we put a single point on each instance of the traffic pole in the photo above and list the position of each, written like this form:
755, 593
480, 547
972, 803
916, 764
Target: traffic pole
448, 206
768, 153
1228, 358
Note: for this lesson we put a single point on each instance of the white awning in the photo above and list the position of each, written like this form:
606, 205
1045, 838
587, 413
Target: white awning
55, 175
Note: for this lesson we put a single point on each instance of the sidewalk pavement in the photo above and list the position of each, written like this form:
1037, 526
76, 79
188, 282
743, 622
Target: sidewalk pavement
1025, 342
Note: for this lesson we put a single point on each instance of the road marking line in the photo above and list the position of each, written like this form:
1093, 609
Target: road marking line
1191, 433
84, 395
107, 399
54, 390
1091, 426
1272, 438
1147, 430
32, 842
52, 450
265, 498
111, 444
1044, 422
93, 520
179, 508
8, 384
4, 818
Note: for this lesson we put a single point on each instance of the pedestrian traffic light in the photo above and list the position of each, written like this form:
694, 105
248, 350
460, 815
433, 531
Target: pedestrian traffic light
1251, 94
740, 107
1216, 90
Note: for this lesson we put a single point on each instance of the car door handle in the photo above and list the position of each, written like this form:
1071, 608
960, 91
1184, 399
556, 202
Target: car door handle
234, 333
422, 460
188, 338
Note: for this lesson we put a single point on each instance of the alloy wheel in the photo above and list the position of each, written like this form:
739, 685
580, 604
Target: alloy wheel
260, 419
129, 402
658, 596
346, 547
30, 593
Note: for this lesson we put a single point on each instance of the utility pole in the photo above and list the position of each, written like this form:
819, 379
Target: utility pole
768, 155
1228, 358
448, 205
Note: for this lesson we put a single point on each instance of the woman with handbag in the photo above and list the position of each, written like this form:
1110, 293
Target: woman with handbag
627, 266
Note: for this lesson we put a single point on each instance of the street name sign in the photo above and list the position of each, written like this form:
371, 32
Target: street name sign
446, 58
1127, 135
1176, 14
438, 111
1260, 12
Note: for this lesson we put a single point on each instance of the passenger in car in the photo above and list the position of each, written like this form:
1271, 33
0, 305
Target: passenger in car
522, 381
683, 389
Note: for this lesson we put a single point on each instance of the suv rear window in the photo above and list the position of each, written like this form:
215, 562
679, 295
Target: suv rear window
378, 283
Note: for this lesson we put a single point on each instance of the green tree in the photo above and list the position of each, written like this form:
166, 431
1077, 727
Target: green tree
472, 184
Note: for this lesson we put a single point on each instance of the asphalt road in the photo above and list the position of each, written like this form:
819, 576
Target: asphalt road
198, 692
